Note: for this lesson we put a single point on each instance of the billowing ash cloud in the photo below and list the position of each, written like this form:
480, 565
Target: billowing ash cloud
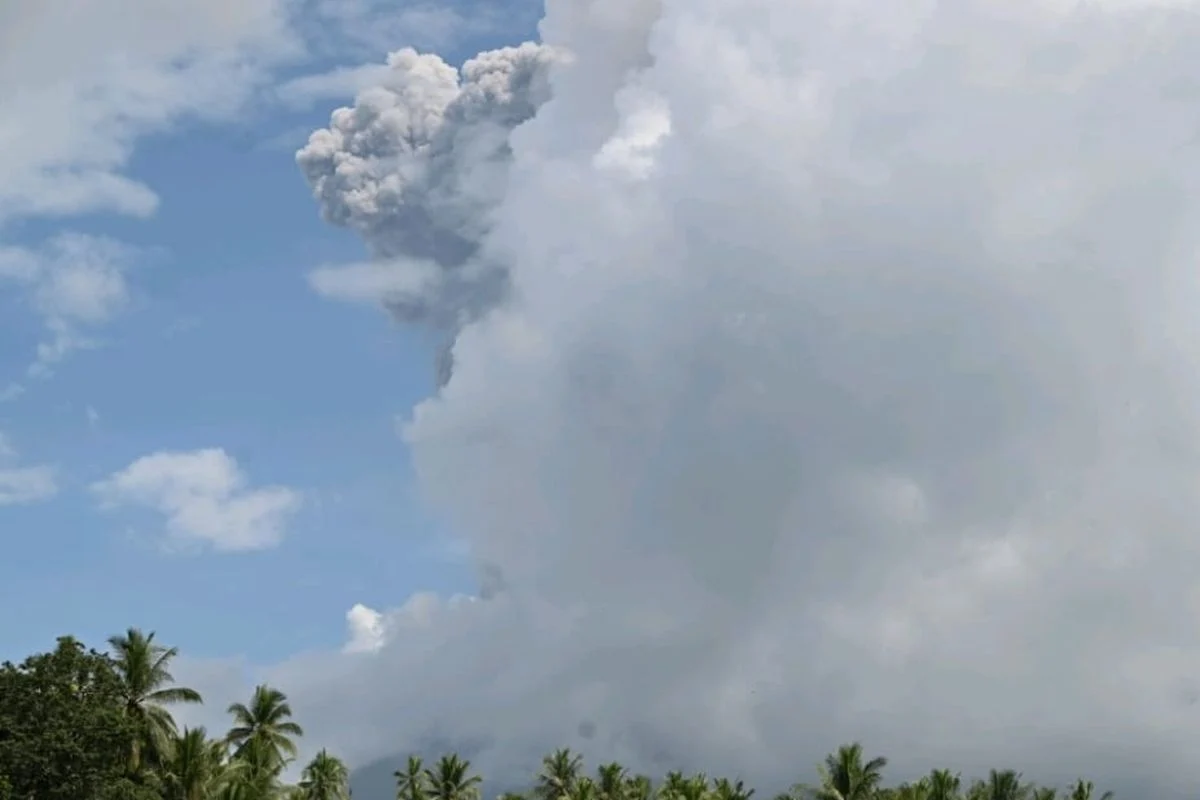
415, 167
844, 387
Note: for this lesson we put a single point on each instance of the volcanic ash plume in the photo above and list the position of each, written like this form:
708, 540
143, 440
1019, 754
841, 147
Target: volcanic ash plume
834, 378
415, 166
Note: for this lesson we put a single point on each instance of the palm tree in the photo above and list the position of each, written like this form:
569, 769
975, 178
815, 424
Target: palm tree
410, 782
1005, 785
1082, 790
672, 786
559, 774
943, 784
1045, 793
844, 775
677, 787
253, 773
264, 727
723, 789
450, 779
611, 781
639, 787
325, 778
585, 789
913, 791
146, 685
196, 768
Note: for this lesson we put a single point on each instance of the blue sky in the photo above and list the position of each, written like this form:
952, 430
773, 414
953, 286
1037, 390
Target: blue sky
222, 344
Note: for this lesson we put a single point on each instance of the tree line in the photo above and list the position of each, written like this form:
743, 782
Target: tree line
79, 724
846, 774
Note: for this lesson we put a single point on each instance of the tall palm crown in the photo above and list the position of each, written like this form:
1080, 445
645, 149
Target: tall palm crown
943, 784
144, 669
845, 776
611, 781
724, 789
639, 787
558, 776
1005, 784
410, 782
196, 768
912, 791
672, 784
586, 789
451, 779
253, 773
325, 778
1082, 790
678, 787
264, 727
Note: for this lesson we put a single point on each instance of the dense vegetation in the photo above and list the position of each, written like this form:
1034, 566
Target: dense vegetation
77, 724
845, 775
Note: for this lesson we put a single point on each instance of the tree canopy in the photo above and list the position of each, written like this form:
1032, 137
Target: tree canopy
80, 724
63, 731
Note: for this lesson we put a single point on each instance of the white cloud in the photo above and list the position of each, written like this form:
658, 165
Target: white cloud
369, 630
366, 629
80, 82
864, 407
206, 499
21, 485
375, 282
24, 485
336, 83
76, 284
84, 282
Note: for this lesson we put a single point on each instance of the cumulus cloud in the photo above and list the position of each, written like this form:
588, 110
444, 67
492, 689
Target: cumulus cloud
206, 498
368, 630
336, 83
24, 485
414, 167
852, 394
79, 83
75, 283
21, 485
374, 282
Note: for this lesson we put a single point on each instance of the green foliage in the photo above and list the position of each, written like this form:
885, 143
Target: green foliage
560, 773
77, 724
451, 779
325, 778
147, 690
263, 731
63, 731
410, 782
845, 774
